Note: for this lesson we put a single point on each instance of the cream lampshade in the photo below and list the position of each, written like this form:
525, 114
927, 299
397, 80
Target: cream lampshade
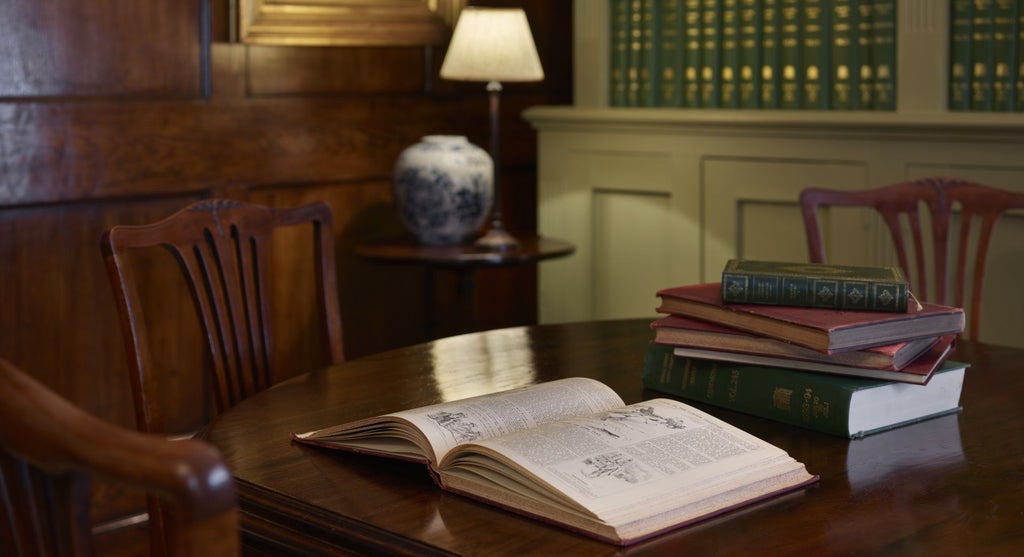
493, 45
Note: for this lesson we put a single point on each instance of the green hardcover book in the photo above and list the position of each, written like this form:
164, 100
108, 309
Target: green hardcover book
771, 70
650, 51
843, 49
671, 59
711, 54
789, 54
982, 54
619, 20
692, 52
865, 65
635, 45
1019, 88
815, 285
960, 42
730, 53
751, 27
834, 404
814, 38
1004, 36
883, 53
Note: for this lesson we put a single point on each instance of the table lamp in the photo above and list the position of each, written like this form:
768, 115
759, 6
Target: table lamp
493, 45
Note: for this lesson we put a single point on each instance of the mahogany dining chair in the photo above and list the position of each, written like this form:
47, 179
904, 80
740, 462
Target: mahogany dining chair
50, 449
944, 201
222, 247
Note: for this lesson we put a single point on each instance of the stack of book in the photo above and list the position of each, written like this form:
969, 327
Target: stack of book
839, 349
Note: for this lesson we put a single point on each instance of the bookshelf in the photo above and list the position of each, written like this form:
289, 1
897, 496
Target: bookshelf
812, 54
654, 195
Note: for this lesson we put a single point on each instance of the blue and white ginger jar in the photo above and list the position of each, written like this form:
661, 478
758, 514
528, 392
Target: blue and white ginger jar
443, 189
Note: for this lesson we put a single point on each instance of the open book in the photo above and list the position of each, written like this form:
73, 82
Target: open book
570, 452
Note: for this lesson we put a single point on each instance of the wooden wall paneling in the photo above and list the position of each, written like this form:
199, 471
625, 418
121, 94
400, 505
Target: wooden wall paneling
52, 48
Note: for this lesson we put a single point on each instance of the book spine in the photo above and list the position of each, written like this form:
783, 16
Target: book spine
809, 400
730, 53
710, 54
692, 52
619, 21
671, 59
982, 55
864, 68
960, 24
843, 42
883, 53
751, 27
789, 54
815, 54
813, 292
633, 60
1019, 74
650, 70
770, 64
1004, 37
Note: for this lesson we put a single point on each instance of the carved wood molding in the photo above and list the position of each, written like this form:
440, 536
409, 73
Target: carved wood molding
346, 22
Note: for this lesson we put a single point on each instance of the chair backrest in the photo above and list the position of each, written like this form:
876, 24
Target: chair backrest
49, 451
222, 247
945, 200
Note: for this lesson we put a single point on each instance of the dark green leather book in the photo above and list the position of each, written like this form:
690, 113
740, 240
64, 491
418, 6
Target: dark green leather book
814, 43
815, 285
710, 54
789, 54
842, 55
619, 21
883, 54
670, 85
751, 27
650, 52
833, 404
730, 55
691, 52
1004, 39
865, 68
982, 54
960, 25
771, 71
633, 51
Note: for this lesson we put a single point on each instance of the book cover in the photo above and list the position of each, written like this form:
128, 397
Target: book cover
634, 48
682, 331
751, 27
619, 51
789, 54
816, 285
844, 43
918, 372
710, 54
770, 64
833, 404
883, 54
825, 330
960, 25
814, 38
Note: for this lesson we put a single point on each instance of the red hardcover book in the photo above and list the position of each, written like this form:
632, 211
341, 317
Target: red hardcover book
684, 332
824, 330
918, 372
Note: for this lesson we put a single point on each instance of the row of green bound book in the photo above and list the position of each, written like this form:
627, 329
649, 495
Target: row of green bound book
986, 55
836, 349
777, 54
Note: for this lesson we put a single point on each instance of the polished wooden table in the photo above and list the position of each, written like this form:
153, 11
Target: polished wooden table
949, 486
464, 260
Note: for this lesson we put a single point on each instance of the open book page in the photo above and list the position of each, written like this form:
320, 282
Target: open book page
659, 460
429, 432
